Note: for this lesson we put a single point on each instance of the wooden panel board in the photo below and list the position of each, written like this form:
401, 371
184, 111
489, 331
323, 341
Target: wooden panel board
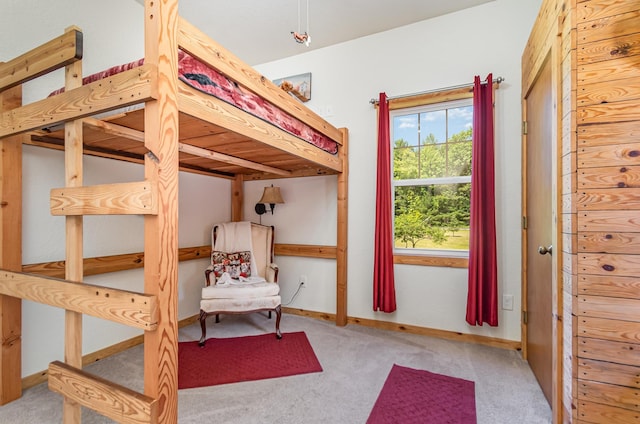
608, 134
609, 264
610, 26
609, 242
605, 350
628, 110
608, 199
138, 198
609, 308
608, 92
596, 413
608, 372
621, 221
109, 399
617, 155
601, 285
609, 177
610, 48
609, 394
52, 55
125, 307
598, 9
609, 329
608, 70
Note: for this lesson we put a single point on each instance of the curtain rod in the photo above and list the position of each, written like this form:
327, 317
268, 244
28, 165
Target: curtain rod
453, 87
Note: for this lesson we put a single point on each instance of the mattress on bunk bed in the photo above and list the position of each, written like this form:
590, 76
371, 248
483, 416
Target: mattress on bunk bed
207, 80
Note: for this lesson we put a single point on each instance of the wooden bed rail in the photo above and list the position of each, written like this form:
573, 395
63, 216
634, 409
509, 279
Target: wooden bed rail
121, 306
137, 198
198, 44
55, 54
109, 399
125, 89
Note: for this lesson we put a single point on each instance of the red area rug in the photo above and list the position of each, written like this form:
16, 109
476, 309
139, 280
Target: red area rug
411, 396
231, 360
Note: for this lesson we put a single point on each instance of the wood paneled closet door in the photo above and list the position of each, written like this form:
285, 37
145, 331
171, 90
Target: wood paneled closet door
539, 234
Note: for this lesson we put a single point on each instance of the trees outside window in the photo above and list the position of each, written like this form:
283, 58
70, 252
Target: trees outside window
432, 175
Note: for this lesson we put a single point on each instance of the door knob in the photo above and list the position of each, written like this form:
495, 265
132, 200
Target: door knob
544, 250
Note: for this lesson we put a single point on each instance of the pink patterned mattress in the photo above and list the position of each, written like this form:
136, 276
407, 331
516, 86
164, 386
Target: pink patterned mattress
207, 80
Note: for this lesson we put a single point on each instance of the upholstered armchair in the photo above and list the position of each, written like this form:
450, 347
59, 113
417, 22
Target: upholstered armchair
242, 277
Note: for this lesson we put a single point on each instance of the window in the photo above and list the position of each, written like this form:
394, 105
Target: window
432, 177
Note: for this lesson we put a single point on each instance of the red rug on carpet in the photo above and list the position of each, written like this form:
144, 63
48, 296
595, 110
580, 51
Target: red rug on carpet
236, 359
411, 396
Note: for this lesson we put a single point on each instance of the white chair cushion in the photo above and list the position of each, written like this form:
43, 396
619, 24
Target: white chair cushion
240, 305
239, 291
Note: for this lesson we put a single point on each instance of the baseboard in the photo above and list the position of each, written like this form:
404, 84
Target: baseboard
41, 377
412, 329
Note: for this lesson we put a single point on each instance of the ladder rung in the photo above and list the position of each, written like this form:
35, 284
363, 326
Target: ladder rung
109, 399
138, 198
121, 306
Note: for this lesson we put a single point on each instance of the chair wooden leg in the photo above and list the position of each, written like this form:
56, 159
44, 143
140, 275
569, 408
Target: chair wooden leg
278, 316
203, 326
217, 318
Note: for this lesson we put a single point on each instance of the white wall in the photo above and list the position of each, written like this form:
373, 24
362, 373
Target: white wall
432, 54
437, 53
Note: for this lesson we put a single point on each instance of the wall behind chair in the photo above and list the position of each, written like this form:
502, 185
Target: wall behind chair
432, 54
203, 200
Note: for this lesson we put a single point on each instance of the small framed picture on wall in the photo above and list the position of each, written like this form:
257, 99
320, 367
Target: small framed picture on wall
299, 86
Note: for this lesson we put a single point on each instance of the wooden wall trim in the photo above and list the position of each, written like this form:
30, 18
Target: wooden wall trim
412, 329
113, 263
105, 264
441, 261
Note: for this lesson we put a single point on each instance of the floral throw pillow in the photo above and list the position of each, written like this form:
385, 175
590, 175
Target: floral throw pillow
237, 264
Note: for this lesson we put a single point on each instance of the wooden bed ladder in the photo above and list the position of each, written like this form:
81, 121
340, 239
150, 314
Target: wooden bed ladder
156, 198
154, 311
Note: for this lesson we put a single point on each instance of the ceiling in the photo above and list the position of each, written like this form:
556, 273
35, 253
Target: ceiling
259, 31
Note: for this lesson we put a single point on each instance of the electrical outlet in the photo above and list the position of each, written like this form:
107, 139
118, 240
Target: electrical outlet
303, 280
507, 302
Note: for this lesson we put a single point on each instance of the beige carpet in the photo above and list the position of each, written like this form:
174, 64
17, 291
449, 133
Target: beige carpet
355, 360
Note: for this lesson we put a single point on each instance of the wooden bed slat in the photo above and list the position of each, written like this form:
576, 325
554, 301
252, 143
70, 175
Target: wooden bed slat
232, 118
198, 44
59, 52
109, 399
125, 307
114, 129
137, 198
198, 151
124, 89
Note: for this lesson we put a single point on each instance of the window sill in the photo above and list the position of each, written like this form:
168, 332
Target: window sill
424, 260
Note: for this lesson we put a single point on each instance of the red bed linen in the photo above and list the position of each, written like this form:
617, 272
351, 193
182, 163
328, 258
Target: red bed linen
207, 80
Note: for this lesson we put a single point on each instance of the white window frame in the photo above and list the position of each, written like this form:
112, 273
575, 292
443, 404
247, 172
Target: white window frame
425, 181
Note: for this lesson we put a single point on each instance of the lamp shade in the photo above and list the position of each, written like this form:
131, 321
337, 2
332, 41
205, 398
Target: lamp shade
271, 196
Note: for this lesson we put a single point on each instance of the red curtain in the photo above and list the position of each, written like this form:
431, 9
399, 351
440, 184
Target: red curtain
482, 297
384, 292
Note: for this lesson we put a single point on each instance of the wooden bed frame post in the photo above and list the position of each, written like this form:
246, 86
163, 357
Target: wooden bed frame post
161, 230
11, 253
341, 239
73, 170
237, 198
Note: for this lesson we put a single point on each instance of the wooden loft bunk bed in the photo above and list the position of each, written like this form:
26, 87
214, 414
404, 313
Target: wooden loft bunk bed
179, 128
